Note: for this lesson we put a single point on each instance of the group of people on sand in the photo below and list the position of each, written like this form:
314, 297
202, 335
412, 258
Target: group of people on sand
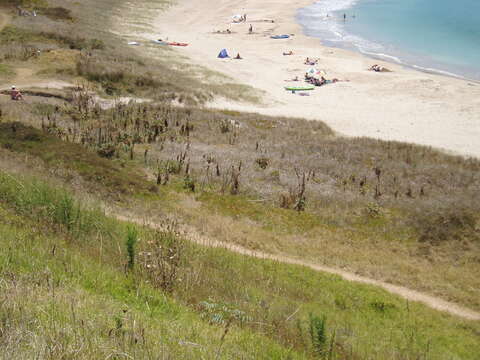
315, 81
319, 82
228, 31
242, 18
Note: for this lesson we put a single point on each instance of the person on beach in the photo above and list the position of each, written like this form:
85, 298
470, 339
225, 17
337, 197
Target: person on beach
344, 17
378, 68
250, 29
245, 17
238, 57
15, 94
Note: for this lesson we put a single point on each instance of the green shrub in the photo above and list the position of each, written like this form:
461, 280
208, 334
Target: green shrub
131, 241
318, 334
189, 183
452, 224
57, 13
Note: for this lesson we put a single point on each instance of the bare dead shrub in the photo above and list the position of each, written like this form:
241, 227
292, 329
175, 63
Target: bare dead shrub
163, 257
262, 162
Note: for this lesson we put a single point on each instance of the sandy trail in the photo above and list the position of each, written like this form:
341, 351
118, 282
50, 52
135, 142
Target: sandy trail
403, 105
411, 295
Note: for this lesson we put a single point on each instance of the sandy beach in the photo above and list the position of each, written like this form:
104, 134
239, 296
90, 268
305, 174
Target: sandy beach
404, 105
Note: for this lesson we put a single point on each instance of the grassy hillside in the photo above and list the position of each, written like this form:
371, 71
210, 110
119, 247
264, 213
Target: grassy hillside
65, 293
77, 283
93, 291
399, 212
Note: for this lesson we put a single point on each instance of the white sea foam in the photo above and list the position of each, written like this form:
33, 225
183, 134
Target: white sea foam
437, 71
329, 6
381, 55
324, 19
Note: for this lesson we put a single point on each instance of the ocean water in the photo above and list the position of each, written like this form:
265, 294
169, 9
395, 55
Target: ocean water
432, 35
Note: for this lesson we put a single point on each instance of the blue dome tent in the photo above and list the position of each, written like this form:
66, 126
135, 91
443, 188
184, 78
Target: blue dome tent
223, 54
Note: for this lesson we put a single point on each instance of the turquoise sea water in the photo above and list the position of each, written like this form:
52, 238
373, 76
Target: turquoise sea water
433, 35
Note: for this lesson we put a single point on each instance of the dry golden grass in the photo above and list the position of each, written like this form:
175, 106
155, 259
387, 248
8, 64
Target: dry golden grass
399, 212
371, 206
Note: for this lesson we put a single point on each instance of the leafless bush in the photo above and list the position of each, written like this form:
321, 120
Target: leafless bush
296, 196
262, 162
163, 257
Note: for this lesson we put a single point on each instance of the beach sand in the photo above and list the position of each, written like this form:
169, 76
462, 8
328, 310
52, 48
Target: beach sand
403, 105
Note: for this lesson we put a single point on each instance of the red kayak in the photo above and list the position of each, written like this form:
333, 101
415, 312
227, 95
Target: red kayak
177, 44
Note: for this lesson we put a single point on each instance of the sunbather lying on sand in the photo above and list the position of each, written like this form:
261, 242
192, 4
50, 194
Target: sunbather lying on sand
378, 68
322, 81
288, 53
309, 61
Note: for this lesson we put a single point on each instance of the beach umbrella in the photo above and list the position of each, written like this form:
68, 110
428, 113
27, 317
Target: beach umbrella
312, 72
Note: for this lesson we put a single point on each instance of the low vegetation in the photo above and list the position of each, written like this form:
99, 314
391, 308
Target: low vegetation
398, 212
120, 177
99, 56
86, 263
102, 288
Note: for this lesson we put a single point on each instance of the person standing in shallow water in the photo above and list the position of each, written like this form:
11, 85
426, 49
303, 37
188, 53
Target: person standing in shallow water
344, 17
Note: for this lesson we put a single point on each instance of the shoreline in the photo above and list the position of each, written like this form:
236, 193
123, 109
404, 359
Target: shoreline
328, 13
404, 105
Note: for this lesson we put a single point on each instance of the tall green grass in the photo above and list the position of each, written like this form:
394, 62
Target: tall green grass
51, 205
65, 305
310, 313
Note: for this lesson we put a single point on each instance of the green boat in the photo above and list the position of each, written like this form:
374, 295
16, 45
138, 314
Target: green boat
299, 88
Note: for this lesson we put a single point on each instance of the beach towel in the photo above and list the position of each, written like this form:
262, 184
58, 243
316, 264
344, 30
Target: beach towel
314, 72
223, 54
177, 44
280, 36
